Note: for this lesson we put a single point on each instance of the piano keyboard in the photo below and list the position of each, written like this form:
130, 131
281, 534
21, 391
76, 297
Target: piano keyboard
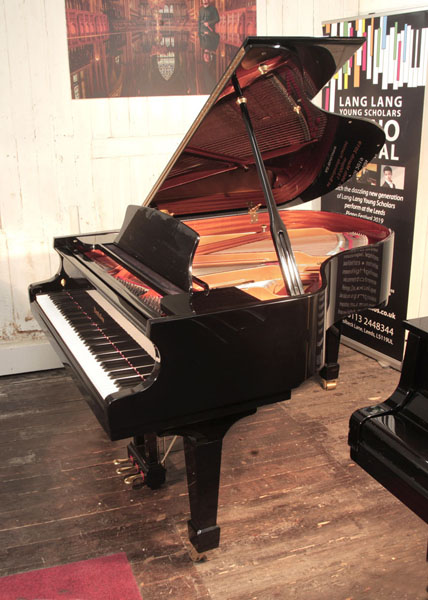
110, 350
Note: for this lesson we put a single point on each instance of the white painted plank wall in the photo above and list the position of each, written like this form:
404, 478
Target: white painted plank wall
74, 166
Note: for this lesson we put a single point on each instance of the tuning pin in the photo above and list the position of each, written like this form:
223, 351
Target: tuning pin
122, 461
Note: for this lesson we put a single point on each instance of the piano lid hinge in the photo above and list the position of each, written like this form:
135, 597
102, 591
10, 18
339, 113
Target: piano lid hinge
203, 284
252, 211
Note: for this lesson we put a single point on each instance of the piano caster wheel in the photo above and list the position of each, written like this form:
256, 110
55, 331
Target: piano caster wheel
329, 384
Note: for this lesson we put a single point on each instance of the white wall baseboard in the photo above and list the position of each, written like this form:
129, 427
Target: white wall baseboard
382, 359
25, 358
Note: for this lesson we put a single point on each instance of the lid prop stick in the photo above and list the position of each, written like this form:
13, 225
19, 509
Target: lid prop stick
279, 233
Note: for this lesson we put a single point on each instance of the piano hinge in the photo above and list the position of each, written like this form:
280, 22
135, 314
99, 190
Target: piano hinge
252, 211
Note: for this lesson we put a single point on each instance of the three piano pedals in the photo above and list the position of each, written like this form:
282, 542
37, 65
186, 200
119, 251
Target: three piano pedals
144, 465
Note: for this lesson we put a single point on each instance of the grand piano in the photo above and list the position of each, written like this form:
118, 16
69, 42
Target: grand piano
390, 440
213, 299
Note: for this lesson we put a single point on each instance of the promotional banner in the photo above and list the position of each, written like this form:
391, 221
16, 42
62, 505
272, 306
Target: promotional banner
385, 82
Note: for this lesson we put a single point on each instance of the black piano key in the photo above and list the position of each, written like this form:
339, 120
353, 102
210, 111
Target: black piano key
124, 369
93, 337
106, 351
121, 348
130, 382
119, 374
79, 319
127, 345
85, 329
130, 358
142, 370
117, 363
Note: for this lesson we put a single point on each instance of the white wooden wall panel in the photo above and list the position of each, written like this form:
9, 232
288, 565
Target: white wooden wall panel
262, 18
64, 170
9, 169
7, 329
297, 21
58, 96
423, 304
138, 117
119, 117
26, 256
387, 6
22, 119
330, 10
73, 166
89, 217
274, 18
418, 288
99, 110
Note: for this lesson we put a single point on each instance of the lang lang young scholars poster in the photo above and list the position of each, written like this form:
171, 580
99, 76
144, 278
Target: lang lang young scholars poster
384, 81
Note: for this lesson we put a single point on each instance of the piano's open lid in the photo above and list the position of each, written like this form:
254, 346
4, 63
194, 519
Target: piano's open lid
307, 151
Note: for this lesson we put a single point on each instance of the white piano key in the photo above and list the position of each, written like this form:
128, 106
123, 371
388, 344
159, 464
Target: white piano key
99, 378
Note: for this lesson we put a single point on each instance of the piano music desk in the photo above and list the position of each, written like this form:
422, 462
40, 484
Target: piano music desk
299, 519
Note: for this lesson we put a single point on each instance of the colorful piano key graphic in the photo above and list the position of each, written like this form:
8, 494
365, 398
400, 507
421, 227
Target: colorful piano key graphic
394, 55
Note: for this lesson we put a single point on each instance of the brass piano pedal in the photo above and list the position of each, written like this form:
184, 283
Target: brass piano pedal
127, 470
121, 461
136, 480
329, 384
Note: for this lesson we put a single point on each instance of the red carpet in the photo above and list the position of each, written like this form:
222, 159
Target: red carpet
106, 578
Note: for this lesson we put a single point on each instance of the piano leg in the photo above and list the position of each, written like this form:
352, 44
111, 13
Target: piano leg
202, 451
143, 452
330, 372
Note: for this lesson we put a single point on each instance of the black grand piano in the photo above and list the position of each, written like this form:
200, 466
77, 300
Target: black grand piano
390, 440
213, 299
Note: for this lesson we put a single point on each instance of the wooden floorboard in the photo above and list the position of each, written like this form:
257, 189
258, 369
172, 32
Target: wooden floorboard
298, 519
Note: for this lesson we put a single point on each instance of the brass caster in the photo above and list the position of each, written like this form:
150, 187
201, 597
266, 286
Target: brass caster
329, 384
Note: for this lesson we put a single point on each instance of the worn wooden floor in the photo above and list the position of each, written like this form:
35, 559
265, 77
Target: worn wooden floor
299, 520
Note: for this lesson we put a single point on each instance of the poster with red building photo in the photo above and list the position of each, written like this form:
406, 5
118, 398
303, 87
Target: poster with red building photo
124, 48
